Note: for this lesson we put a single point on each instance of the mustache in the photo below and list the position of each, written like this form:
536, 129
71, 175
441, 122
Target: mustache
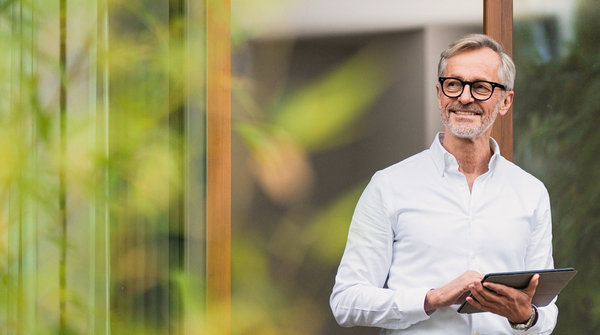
471, 107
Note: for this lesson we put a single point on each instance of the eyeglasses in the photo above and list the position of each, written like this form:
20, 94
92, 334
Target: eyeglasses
480, 89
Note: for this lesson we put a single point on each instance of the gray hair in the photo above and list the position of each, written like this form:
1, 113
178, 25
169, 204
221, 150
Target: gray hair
507, 71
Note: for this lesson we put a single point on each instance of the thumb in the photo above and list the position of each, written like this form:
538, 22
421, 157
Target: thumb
533, 283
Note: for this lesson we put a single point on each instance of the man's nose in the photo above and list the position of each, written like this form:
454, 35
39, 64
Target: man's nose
466, 96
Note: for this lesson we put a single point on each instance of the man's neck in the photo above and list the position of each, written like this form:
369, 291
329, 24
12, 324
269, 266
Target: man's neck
472, 155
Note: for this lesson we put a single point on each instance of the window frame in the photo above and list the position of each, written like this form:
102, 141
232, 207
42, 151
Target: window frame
497, 23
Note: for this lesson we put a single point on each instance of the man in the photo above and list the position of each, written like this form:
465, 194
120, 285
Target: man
432, 225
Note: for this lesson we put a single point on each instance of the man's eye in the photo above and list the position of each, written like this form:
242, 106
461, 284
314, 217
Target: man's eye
481, 87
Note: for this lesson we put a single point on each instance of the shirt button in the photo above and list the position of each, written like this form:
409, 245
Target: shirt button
473, 256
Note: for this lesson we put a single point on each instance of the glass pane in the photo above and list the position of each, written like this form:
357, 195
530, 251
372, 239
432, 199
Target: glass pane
325, 93
555, 126
102, 187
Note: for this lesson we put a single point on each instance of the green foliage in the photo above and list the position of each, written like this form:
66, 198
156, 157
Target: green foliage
329, 230
118, 173
322, 111
278, 277
283, 258
557, 113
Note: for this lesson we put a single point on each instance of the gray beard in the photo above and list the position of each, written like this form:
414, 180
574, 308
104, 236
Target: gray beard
466, 130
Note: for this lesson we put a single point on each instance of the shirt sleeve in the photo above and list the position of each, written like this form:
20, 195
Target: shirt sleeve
359, 297
539, 256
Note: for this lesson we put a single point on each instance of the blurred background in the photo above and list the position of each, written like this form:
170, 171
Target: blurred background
103, 151
328, 92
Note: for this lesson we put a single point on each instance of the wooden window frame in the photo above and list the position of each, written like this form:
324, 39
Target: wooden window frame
218, 253
498, 24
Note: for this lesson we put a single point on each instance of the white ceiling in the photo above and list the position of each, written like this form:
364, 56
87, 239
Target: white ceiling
289, 18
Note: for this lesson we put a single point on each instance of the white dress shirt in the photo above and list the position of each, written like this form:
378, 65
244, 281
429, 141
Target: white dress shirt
417, 226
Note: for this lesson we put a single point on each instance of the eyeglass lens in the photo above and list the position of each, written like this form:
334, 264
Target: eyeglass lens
480, 90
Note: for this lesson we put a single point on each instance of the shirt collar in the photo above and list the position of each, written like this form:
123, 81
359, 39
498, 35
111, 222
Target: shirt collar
493, 164
442, 158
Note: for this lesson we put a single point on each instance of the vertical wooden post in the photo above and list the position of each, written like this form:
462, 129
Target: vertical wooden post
498, 24
218, 167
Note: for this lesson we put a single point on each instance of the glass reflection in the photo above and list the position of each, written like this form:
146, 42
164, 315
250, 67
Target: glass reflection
557, 53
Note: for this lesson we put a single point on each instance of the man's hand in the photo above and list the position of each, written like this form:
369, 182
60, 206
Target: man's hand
452, 293
511, 303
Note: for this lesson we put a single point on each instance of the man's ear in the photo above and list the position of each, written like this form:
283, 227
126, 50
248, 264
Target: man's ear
506, 102
439, 96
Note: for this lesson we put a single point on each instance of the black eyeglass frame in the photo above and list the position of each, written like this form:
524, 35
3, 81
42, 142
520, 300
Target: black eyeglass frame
470, 83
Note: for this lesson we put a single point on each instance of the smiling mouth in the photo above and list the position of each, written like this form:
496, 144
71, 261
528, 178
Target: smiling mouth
465, 109
464, 113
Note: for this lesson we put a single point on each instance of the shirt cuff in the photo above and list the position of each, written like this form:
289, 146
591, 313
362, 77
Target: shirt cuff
411, 303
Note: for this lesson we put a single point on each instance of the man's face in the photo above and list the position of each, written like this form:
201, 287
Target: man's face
464, 116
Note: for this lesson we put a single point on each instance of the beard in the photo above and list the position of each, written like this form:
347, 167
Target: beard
469, 129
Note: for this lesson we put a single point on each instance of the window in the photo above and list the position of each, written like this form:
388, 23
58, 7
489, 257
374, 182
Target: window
110, 159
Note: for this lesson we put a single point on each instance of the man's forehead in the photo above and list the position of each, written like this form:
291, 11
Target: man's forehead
484, 61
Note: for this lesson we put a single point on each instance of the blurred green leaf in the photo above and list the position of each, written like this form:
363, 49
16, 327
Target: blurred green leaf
329, 231
326, 109
254, 135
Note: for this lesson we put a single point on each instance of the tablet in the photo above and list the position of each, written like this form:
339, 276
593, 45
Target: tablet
551, 282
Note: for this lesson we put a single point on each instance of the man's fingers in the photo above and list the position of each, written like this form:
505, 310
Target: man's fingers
462, 298
503, 300
506, 291
481, 294
496, 288
533, 283
475, 303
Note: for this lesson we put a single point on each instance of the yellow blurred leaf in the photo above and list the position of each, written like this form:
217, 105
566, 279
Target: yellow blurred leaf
316, 115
